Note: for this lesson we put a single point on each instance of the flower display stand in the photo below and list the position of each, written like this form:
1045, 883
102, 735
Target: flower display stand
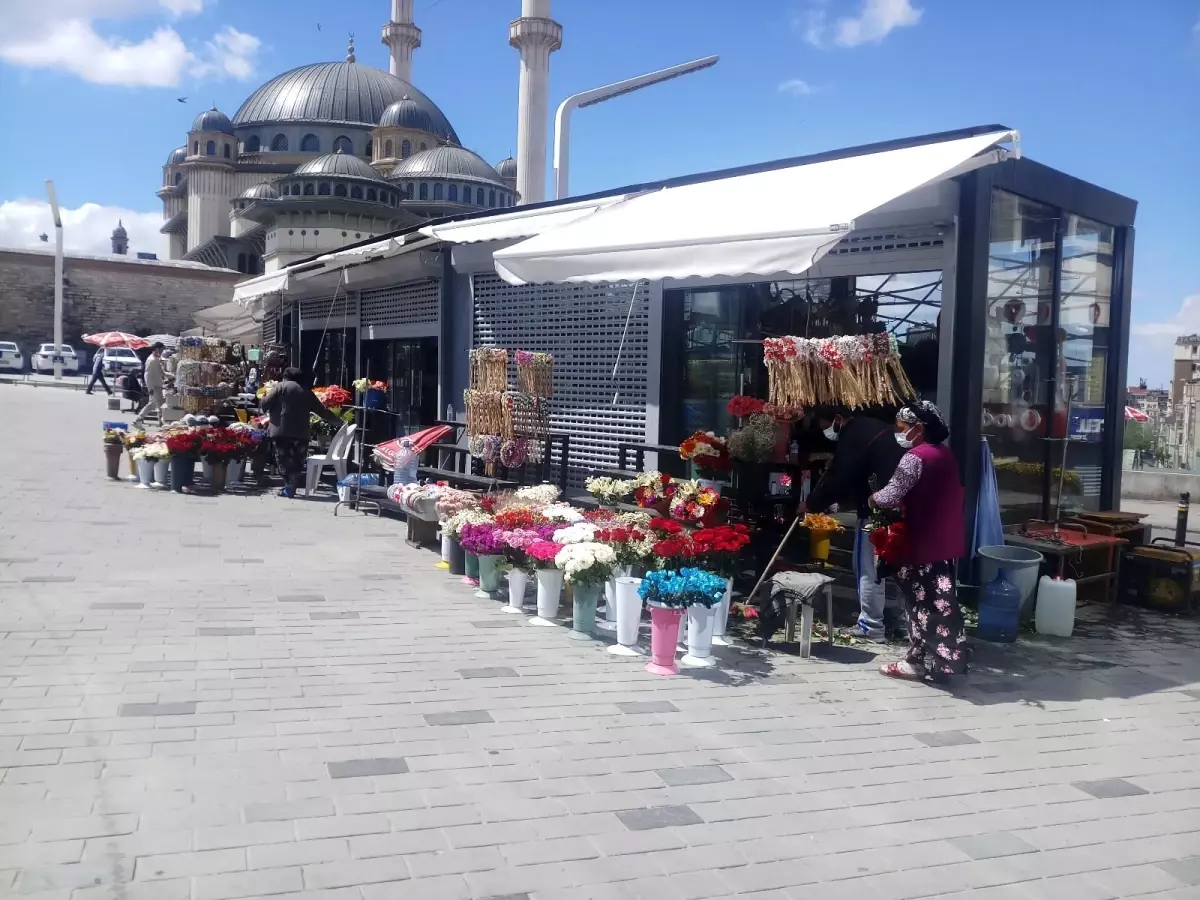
586, 597
162, 474
518, 582
699, 637
145, 473
489, 576
458, 558
471, 570
664, 635
629, 617
549, 593
721, 618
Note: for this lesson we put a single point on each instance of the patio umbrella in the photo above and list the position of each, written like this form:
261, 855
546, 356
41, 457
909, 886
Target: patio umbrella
1133, 414
386, 453
116, 339
989, 529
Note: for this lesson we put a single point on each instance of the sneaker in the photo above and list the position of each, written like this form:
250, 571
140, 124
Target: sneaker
863, 632
289, 492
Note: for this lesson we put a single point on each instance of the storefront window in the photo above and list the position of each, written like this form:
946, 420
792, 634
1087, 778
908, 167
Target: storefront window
1019, 355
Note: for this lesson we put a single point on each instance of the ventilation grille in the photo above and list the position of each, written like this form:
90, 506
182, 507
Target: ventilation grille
878, 243
315, 312
415, 303
581, 326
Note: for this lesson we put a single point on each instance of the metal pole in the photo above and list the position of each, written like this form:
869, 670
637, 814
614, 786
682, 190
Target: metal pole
1181, 519
58, 280
562, 118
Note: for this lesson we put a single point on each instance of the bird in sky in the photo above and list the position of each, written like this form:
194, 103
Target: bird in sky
318, 26
181, 99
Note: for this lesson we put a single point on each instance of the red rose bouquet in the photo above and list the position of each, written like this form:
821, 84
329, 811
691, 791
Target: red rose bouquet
741, 406
718, 547
650, 489
707, 452
333, 396
184, 443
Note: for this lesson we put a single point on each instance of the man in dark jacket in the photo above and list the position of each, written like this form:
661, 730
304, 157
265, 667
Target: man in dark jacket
863, 447
289, 405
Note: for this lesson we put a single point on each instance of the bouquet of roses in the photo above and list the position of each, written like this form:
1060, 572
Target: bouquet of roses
453, 525
707, 452
631, 545
333, 397
362, 385
741, 406
652, 488
888, 536
516, 543
561, 512
184, 443
718, 547
134, 439
609, 491
543, 552
452, 501
587, 562
693, 502
482, 539
577, 533
679, 589
538, 494
672, 543
519, 515
156, 450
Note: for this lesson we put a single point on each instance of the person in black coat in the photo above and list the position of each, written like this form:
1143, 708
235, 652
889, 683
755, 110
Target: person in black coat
863, 447
289, 405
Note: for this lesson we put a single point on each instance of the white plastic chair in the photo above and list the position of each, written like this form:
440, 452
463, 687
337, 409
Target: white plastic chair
337, 457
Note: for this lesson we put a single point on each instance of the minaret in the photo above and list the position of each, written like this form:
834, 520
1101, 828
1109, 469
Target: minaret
536, 35
120, 239
402, 37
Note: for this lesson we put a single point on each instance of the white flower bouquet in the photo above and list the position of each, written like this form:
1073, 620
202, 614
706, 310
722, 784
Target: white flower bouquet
561, 512
578, 533
538, 494
610, 491
586, 563
454, 523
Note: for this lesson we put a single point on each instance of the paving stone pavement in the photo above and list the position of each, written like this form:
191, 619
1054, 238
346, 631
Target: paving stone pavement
234, 697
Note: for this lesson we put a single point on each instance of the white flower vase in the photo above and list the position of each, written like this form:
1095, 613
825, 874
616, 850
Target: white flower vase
206, 472
629, 616
700, 621
610, 599
549, 595
145, 473
162, 474
721, 619
235, 472
447, 550
518, 583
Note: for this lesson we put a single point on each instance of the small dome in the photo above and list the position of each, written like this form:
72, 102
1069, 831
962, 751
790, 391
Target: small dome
507, 169
178, 155
262, 191
119, 231
406, 113
345, 165
447, 162
213, 120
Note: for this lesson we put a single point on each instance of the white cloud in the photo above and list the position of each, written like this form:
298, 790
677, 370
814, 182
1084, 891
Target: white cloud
797, 87
875, 21
86, 229
1151, 348
63, 35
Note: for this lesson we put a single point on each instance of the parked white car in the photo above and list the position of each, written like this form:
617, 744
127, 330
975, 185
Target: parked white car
119, 360
11, 357
43, 360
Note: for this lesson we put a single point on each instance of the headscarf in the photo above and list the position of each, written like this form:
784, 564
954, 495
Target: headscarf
927, 414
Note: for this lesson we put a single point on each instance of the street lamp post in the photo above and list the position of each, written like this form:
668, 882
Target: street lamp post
58, 280
562, 119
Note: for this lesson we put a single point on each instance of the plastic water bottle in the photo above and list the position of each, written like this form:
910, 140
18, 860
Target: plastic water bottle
406, 463
1000, 610
449, 412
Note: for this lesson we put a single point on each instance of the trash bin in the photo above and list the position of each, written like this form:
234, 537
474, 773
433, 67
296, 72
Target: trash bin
1021, 567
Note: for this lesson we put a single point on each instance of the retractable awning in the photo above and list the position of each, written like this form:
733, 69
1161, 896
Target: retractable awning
228, 320
246, 292
762, 223
520, 223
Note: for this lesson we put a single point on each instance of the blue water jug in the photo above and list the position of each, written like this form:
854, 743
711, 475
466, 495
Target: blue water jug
1000, 610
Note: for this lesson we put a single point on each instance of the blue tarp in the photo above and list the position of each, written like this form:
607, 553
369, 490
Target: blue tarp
989, 532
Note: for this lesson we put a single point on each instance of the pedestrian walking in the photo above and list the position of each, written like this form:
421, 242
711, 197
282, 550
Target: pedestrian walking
927, 490
98, 373
289, 404
155, 378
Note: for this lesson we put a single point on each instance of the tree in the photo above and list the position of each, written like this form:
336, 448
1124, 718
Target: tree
1138, 437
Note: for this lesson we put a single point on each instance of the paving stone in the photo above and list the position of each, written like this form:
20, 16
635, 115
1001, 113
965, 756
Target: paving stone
1186, 870
224, 632
1195, 695
332, 616
357, 768
301, 598
945, 739
1109, 788
645, 707
462, 717
180, 665
187, 708
489, 672
693, 775
658, 817
992, 846
287, 810
17, 559
48, 579
506, 622
117, 606
244, 561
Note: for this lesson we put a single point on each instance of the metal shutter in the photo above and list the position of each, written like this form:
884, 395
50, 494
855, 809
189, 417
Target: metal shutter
415, 303
581, 325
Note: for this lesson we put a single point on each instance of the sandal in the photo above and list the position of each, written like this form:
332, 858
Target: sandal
903, 670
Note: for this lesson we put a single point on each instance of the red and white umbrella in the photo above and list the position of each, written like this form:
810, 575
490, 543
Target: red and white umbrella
1133, 414
116, 339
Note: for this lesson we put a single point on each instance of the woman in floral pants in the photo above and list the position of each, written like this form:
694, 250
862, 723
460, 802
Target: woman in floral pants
927, 490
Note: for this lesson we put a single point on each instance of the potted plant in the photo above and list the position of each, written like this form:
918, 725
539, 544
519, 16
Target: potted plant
717, 550
183, 447
586, 565
669, 593
482, 540
114, 443
549, 580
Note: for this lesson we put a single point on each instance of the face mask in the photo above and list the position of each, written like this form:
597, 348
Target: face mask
830, 433
903, 440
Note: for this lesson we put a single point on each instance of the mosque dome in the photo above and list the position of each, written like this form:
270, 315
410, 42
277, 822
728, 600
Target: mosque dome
178, 155
213, 120
406, 113
262, 191
507, 169
336, 93
447, 162
343, 165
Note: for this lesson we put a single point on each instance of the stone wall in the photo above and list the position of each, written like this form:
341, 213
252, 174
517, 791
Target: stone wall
103, 294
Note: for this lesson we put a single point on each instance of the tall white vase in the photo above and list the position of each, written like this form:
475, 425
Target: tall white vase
518, 581
549, 594
235, 472
610, 599
447, 544
699, 637
721, 619
162, 473
145, 472
629, 617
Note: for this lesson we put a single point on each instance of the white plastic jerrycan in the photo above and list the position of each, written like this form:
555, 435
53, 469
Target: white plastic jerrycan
1055, 614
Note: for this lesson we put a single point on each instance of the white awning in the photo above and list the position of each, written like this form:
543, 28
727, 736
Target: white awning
362, 252
782, 220
519, 223
228, 320
245, 292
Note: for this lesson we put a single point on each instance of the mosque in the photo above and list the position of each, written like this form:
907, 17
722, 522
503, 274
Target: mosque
333, 153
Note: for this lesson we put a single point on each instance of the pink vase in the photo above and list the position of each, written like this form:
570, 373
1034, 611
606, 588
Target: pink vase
664, 635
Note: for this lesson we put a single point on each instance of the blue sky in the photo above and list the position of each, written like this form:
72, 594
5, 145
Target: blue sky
1103, 89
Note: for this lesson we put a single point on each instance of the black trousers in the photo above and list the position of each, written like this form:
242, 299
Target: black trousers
97, 375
